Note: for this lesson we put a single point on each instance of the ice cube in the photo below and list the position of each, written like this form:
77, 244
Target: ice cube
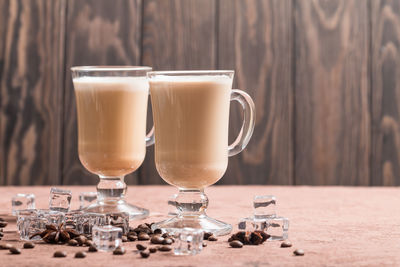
60, 199
22, 202
106, 238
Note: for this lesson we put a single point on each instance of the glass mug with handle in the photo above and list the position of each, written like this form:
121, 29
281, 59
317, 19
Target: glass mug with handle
111, 106
191, 119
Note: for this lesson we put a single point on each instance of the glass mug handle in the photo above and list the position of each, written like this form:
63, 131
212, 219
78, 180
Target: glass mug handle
150, 136
246, 131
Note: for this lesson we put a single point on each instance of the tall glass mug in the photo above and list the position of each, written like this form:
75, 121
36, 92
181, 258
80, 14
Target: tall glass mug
191, 119
111, 105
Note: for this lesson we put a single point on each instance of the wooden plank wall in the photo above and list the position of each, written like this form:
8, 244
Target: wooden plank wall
324, 76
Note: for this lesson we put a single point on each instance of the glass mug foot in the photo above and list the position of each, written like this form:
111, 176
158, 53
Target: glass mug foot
135, 213
191, 206
203, 222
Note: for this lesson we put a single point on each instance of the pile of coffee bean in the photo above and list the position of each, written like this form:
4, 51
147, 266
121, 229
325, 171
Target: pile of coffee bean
3, 224
241, 238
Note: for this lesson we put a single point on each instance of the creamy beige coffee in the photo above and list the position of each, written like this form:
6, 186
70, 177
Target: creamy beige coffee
111, 123
191, 117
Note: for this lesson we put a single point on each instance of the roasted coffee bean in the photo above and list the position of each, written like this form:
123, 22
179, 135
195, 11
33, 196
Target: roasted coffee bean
204, 244
153, 250
286, 244
80, 254
167, 241
73, 242
29, 245
156, 239
132, 237
298, 252
140, 247
207, 235
60, 254
236, 244
157, 232
15, 250
119, 251
144, 254
3, 224
81, 239
143, 226
89, 243
92, 249
212, 238
165, 235
143, 236
164, 248
124, 238
5, 246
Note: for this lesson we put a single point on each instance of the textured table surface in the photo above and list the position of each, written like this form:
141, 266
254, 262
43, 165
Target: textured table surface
343, 226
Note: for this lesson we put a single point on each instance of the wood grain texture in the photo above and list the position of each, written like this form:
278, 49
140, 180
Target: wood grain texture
332, 112
385, 33
255, 39
177, 35
99, 32
31, 62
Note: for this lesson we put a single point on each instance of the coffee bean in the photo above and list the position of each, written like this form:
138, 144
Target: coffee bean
73, 242
167, 241
212, 238
207, 235
298, 252
124, 238
286, 244
119, 251
80, 254
3, 224
153, 250
164, 248
204, 244
81, 239
165, 235
157, 232
140, 247
92, 249
144, 254
236, 244
5, 246
143, 226
132, 237
89, 243
143, 236
156, 239
60, 254
15, 250
29, 245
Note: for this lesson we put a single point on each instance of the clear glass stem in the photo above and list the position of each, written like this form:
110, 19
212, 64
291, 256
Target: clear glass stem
111, 189
191, 202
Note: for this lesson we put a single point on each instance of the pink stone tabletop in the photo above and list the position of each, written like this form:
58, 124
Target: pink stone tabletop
335, 226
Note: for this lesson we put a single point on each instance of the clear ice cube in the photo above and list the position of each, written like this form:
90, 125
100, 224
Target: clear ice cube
188, 241
83, 222
60, 199
264, 206
86, 199
32, 221
120, 219
106, 238
22, 202
278, 228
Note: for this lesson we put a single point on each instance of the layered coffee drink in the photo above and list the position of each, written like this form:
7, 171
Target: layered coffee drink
191, 117
111, 123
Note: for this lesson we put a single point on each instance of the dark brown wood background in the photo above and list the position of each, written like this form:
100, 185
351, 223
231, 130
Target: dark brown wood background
325, 77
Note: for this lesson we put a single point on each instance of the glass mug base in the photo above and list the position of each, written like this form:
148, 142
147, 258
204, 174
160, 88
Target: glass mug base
203, 222
135, 213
